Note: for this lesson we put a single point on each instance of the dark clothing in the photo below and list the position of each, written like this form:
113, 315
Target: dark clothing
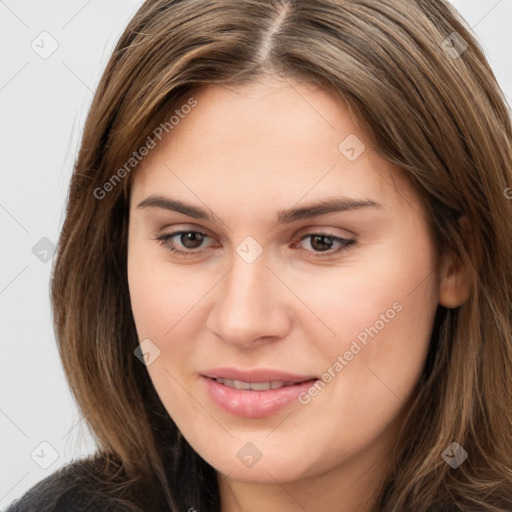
69, 489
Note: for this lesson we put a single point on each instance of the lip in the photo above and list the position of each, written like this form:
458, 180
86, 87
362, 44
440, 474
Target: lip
248, 403
256, 375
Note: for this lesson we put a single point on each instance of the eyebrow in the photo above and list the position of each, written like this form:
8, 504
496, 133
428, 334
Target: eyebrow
309, 211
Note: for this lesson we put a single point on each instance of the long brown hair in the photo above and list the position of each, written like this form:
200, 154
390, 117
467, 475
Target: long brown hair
429, 104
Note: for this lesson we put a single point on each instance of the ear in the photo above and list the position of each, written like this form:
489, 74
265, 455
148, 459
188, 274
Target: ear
455, 282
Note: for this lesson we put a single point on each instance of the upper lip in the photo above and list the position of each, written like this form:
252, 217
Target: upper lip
256, 375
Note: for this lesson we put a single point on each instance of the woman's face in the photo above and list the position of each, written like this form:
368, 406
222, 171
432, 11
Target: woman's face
308, 277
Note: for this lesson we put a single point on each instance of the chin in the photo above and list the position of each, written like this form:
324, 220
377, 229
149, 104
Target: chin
245, 463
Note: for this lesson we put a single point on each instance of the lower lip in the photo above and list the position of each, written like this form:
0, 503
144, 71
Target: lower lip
253, 404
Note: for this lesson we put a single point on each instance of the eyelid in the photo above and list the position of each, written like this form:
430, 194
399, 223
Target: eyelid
164, 237
326, 230
313, 229
175, 228
344, 243
308, 230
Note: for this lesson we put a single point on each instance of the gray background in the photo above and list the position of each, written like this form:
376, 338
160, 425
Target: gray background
43, 103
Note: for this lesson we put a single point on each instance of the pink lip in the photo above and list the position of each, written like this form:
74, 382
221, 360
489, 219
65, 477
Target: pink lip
256, 375
248, 403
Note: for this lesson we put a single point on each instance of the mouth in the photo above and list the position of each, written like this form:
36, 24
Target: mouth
254, 394
255, 386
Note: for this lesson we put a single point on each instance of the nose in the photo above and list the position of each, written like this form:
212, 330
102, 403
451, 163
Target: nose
250, 305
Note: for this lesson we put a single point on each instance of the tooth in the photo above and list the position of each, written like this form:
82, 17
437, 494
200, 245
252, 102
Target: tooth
238, 384
260, 386
255, 386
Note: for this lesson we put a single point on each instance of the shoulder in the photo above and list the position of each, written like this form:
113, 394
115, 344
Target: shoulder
69, 489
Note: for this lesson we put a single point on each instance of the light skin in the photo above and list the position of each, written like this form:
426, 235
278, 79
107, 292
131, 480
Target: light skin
244, 154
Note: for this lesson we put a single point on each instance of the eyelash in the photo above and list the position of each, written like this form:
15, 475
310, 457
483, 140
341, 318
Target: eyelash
345, 243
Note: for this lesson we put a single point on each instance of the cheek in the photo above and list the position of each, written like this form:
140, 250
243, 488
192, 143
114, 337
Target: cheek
160, 299
376, 322
160, 293
382, 319
383, 292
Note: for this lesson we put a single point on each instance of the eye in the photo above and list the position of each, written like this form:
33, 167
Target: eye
322, 243
185, 243
188, 240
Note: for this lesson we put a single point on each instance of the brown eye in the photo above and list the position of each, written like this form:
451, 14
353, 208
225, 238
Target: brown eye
191, 239
183, 243
321, 242
325, 245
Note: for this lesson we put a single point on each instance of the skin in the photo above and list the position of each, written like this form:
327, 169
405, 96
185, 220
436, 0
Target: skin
245, 153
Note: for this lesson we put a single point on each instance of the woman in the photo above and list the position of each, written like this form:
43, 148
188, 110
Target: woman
283, 281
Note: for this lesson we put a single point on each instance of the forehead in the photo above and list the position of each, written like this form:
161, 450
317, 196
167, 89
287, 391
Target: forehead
261, 141
282, 119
